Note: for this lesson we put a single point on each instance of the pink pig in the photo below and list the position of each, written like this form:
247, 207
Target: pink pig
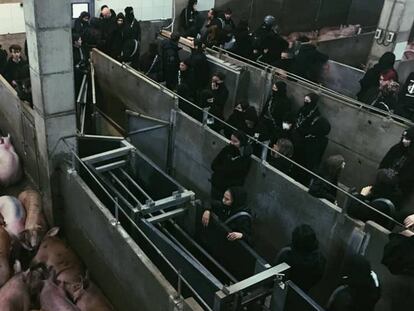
10, 170
13, 215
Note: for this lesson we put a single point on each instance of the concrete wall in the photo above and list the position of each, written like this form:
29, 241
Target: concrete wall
115, 261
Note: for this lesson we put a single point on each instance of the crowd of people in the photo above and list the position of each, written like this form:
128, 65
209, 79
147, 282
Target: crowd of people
296, 139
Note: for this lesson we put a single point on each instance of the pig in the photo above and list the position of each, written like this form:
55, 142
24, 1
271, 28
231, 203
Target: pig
88, 297
54, 253
15, 295
5, 249
53, 297
35, 225
10, 170
13, 214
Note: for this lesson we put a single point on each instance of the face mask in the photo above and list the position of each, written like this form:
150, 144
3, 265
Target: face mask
406, 142
286, 126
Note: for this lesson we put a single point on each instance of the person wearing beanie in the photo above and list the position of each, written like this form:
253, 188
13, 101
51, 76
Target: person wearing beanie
400, 158
307, 263
117, 40
230, 166
237, 118
133, 27
372, 77
233, 212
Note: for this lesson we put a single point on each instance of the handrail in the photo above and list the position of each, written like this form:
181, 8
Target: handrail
283, 74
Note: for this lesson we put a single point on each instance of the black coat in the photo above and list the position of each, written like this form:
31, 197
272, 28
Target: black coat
308, 64
405, 106
399, 255
221, 96
306, 268
322, 190
230, 168
243, 45
200, 68
265, 38
16, 71
170, 62
189, 22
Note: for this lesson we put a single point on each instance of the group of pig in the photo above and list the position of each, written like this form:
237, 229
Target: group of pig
326, 33
38, 271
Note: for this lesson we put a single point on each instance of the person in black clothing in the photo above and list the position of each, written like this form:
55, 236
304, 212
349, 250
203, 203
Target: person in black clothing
185, 80
276, 108
250, 122
372, 76
80, 61
205, 102
212, 20
400, 158
384, 196
230, 166
281, 146
107, 26
238, 118
330, 171
188, 19
228, 25
405, 106
16, 68
150, 63
310, 63
81, 24
3, 59
200, 66
265, 37
132, 27
170, 60
117, 40
93, 37
307, 263
232, 210
220, 93
243, 45
286, 61
360, 290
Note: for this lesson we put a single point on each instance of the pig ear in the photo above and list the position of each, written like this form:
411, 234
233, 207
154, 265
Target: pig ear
53, 232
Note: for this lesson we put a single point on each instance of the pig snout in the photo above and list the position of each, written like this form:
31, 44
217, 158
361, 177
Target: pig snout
13, 214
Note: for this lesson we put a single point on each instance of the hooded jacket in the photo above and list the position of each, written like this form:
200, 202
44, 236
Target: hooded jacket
278, 105
304, 257
372, 76
241, 222
307, 115
401, 160
230, 167
80, 25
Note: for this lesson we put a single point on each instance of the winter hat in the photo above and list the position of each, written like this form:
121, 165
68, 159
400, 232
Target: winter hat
314, 97
239, 196
409, 134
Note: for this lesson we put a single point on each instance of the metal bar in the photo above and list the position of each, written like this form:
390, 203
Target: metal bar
101, 137
81, 89
171, 141
167, 215
111, 166
123, 151
117, 193
168, 202
256, 279
128, 217
83, 117
147, 129
135, 184
205, 253
124, 187
143, 116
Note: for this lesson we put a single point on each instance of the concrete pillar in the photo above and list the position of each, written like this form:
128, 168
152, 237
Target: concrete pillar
397, 18
48, 29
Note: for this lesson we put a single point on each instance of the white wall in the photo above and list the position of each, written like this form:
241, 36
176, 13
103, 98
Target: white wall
11, 18
143, 9
205, 5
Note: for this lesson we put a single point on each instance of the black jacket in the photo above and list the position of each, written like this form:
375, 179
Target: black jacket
16, 71
306, 268
405, 106
242, 223
221, 96
189, 22
320, 189
265, 38
230, 168
201, 69
399, 255
308, 64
